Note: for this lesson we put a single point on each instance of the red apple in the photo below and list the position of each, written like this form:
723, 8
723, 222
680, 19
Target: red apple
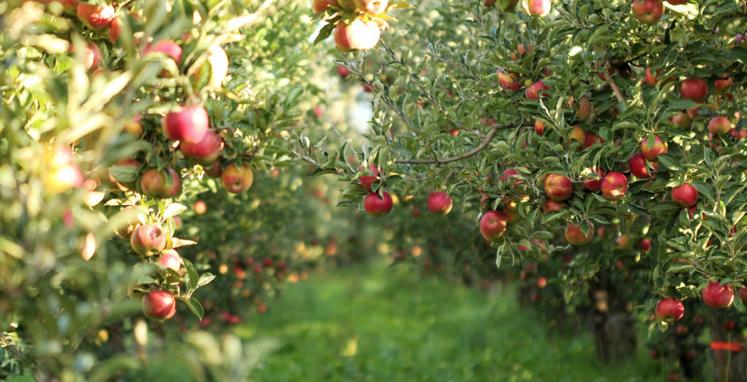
205, 151
539, 127
645, 244
595, 182
682, 120
95, 16
216, 169
590, 139
509, 81
170, 259
493, 225
320, 6
575, 235
187, 124
717, 295
685, 195
670, 309
343, 71
148, 240
378, 205
650, 77
160, 184
743, 294
367, 181
648, 11
538, 8
199, 207
358, 35
537, 90
159, 305
168, 47
653, 147
114, 30
577, 135
552, 206
509, 174
722, 84
719, 125
694, 89
541, 282
440, 202
237, 178
638, 167
558, 187
614, 186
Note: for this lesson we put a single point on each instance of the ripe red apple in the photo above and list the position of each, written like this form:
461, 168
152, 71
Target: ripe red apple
590, 139
653, 147
493, 225
320, 6
95, 16
215, 170
648, 11
159, 305
205, 151
509, 81
539, 127
719, 125
537, 8
358, 35
168, 47
575, 235
685, 195
577, 135
161, 184
454, 132
722, 84
367, 181
682, 120
541, 282
650, 77
237, 178
743, 294
343, 71
717, 295
509, 174
595, 182
558, 187
670, 308
552, 206
440, 202
694, 89
170, 259
637, 165
114, 30
537, 90
614, 186
378, 205
187, 124
645, 244
148, 240
373, 7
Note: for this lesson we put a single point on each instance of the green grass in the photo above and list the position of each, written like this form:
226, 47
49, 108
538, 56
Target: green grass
377, 324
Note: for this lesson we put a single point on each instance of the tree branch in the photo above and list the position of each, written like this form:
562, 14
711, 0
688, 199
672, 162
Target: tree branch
483, 144
613, 85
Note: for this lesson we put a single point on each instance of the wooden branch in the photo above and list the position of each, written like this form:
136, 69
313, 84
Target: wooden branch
613, 85
483, 144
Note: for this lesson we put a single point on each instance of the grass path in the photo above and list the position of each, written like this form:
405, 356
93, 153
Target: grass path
377, 324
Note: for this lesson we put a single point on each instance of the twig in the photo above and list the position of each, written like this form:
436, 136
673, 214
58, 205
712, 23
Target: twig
613, 85
465, 155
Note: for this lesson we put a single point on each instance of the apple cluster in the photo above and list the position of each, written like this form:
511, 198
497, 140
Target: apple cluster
355, 24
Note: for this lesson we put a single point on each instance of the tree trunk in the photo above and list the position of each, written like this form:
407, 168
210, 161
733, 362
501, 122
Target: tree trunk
729, 357
613, 327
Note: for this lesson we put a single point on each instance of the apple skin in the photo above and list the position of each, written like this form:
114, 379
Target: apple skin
320, 6
237, 179
173, 185
558, 187
378, 205
537, 8
743, 294
170, 259
206, 151
652, 148
536, 90
614, 186
373, 7
343, 71
577, 135
358, 35
508, 81
694, 89
645, 244
637, 165
552, 206
685, 195
719, 125
440, 202
95, 16
511, 174
722, 84
682, 120
717, 295
595, 183
159, 305
148, 240
187, 124
539, 127
167, 47
62, 172
670, 309
114, 30
367, 181
492, 225
160, 184
575, 235
648, 11
650, 78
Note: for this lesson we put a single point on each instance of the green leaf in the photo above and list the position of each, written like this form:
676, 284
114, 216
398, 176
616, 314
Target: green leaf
194, 305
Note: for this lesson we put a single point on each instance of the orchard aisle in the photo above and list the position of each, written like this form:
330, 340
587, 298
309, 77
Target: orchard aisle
376, 324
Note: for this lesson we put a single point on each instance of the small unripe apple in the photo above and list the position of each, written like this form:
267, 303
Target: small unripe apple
558, 187
670, 309
685, 195
509, 81
378, 205
440, 202
648, 11
170, 259
493, 225
187, 124
717, 295
205, 151
92, 57
148, 240
237, 179
652, 147
536, 90
575, 235
95, 16
159, 305
358, 35
719, 125
694, 89
614, 186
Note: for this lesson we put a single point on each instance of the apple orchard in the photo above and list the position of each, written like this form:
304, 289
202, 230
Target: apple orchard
167, 166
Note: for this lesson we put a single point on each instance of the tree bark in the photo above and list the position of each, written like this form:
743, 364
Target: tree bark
613, 327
